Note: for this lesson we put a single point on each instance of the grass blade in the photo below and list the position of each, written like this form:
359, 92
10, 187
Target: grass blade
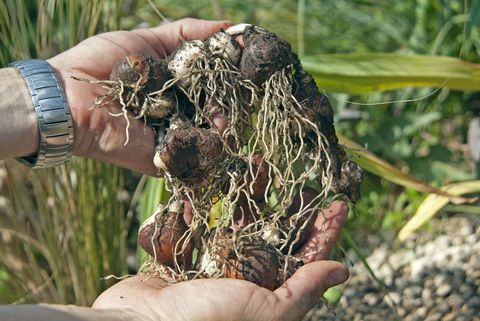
377, 166
433, 203
360, 73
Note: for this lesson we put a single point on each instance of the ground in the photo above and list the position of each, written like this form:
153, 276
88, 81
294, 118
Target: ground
434, 276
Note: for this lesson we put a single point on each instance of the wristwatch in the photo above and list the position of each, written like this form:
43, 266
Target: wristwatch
53, 114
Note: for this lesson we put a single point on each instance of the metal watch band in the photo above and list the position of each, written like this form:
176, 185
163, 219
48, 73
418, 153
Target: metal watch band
53, 114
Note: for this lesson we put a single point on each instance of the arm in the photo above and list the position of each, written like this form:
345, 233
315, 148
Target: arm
18, 123
53, 312
97, 134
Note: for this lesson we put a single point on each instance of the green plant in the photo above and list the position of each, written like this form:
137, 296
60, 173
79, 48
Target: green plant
64, 229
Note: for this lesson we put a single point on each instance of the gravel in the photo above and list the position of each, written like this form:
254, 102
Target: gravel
432, 277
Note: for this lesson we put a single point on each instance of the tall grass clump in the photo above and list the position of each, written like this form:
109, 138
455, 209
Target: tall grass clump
62, 230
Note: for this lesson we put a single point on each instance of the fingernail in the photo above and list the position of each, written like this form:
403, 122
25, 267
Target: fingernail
337, 276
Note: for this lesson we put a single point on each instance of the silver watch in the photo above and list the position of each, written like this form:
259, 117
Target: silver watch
53, 114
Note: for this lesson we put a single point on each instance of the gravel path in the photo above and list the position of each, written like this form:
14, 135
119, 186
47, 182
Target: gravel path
433, 277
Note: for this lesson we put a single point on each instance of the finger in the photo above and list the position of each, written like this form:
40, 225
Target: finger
101, 136
166, 37
305, 288
325, 232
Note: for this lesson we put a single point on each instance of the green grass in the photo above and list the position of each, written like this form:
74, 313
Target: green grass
65, 228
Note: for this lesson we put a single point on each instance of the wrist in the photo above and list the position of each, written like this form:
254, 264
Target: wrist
55, 129
18, 124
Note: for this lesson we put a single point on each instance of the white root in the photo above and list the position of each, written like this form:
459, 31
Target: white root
237, 29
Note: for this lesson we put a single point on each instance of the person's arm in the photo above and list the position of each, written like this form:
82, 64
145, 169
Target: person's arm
18, 123
97, 134
54, 312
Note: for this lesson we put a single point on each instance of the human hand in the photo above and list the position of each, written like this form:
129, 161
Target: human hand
226, 299
98, 134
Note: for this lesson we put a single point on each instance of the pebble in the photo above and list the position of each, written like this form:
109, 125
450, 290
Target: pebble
431, 278
455, 301
443, 290
392, 299
421, 312
434, 317
371, 299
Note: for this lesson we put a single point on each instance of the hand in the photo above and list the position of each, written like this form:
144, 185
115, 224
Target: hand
97, 134
227, 299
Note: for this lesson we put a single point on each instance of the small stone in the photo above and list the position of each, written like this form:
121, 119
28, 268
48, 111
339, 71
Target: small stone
450, 317
442, 242
471, 239
417, 268
443, 290
401, 258
426, 295
392, 299
400, 283
349, 292
371, 299
421, 312
401, 312
417, 303
416, 291
441, 307
474, 262
474, 303
457, 241
434, 317
412, 317
455, 301
465, 230
438, 280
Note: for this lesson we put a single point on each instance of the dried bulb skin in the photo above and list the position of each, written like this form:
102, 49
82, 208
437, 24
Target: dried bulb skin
189, 153
142, 69
262, 179
350, 180
221, 44
264, 54
162, 235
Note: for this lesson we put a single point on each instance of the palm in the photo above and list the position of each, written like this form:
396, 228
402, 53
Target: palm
98, 134
221, 299
227, 299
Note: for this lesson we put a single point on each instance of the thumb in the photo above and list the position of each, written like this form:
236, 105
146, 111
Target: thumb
305, 288
167, 37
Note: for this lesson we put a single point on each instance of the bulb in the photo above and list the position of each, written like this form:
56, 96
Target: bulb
184, 58
157, 161
223, 45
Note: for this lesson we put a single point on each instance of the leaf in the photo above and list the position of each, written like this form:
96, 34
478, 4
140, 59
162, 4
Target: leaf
360, 73
377, 166
433, 203
332, 295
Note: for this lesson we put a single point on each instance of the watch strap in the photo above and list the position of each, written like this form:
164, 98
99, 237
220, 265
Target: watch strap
53, 114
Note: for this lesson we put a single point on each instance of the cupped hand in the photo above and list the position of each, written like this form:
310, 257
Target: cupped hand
97, 133
226, 299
